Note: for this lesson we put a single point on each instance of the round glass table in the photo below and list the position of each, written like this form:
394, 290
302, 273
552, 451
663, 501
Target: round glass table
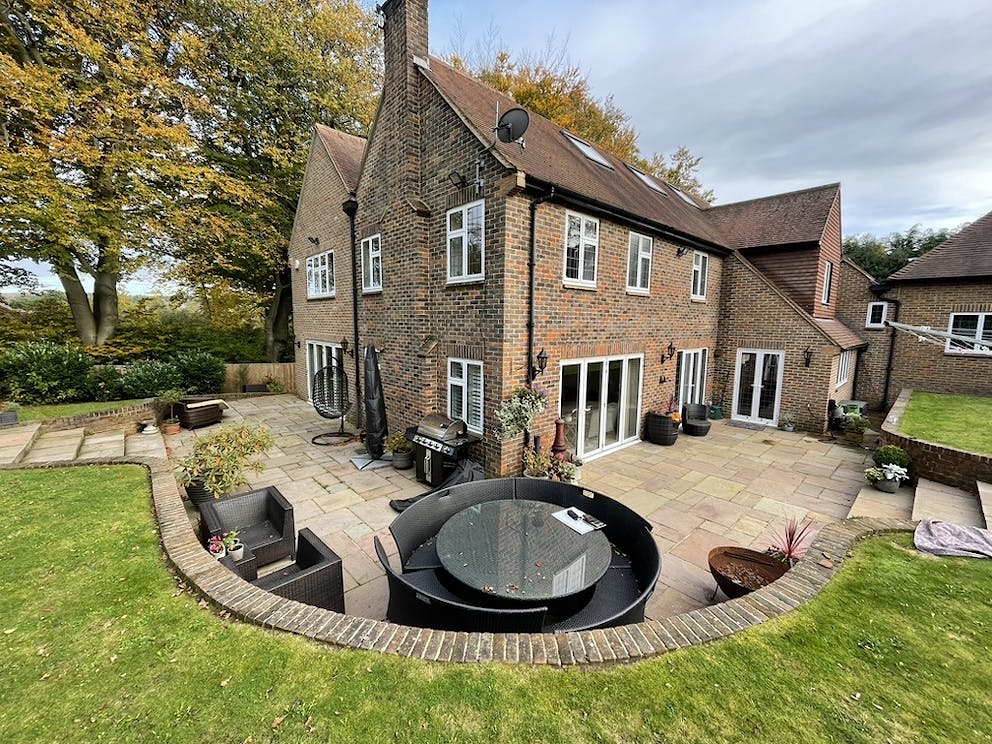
518, 550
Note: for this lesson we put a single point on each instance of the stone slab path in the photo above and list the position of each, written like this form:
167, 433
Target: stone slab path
735, 486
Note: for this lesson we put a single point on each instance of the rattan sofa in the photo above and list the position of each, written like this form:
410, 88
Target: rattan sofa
263, 520
194, 413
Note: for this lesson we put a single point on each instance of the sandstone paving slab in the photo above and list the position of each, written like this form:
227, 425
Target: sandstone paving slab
695, 547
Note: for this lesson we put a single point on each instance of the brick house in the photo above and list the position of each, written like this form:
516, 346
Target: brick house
635, 292
947, 289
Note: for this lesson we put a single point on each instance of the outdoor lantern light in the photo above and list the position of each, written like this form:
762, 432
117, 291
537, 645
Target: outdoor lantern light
671, 350
457, 180
315, 241
344, 347
542, 364
807, 355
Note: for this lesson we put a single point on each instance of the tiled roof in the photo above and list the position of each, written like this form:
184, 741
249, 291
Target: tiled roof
795, 217
967, 254
550, 158
839, 333
346, 151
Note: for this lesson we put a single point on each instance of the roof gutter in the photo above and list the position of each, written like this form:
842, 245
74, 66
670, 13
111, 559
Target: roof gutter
620, 215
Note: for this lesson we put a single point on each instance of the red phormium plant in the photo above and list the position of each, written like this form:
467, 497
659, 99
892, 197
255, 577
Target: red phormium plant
792, 543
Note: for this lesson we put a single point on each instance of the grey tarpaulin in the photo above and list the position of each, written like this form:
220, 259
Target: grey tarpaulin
465, 471
943, 538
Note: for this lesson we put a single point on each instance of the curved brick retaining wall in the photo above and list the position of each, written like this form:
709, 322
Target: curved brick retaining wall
612, 645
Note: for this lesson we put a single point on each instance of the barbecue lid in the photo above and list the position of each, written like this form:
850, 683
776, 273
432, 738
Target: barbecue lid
441, 427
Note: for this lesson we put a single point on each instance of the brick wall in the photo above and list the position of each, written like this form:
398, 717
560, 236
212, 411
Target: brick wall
926, 366
852, 309
754, 316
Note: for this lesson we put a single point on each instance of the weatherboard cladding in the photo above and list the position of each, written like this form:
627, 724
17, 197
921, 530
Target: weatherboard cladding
965, 255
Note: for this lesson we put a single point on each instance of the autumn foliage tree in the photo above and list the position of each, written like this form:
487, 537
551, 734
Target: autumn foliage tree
881, 257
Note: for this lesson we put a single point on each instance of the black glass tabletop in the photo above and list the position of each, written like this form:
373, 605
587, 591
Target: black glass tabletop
519, 550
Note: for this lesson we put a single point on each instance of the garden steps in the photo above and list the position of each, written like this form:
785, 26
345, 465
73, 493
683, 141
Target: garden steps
103, 444
947, 504
871, 502
985, 499
145, 445
15, 441
55, 446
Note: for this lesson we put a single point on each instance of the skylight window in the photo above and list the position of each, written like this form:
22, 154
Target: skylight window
684, 196
647, 180
588, 150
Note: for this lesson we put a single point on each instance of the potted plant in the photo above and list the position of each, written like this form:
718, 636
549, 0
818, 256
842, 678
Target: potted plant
890, 453
217, 463
516, 414
739, 571
273, 385
216, 547
663, 428
886, 478
8, 413
565, 471
787, 422
166, 401
536, 464
235, 548
854, 426
402, 449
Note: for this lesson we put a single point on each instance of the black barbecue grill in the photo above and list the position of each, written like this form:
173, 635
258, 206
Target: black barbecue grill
439, 443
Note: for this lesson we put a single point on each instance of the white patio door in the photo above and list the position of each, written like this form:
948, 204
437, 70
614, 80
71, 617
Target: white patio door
600, 403
320, 355
758, 386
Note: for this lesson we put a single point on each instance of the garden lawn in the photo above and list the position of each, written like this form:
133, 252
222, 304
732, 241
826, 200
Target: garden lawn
100, 644
960, 421
35, 413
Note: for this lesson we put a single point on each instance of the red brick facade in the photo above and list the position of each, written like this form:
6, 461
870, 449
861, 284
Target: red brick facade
855, 296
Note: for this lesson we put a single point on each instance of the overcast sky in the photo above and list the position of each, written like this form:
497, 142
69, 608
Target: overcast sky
892, 99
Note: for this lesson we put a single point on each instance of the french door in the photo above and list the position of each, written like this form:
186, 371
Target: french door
690, 376
758, 386
320, 355
600, 403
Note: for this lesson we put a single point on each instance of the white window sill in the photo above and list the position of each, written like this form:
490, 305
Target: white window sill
372, 290
572, 284
874, 327
970, 354
475, 279
697, 298
330, 296
638, 291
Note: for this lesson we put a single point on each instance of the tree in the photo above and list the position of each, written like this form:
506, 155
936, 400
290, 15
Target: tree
269, 71
882, 257
552, 86
94, 124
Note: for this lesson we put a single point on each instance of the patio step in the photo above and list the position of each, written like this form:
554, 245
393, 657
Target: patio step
56, 446
15, 441
871, 502
946, 503
103, 444
145, 445
985, 499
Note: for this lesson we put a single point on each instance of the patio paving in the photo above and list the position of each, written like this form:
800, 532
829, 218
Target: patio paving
734, 486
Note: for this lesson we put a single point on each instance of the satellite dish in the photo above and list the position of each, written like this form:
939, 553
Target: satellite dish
512, 125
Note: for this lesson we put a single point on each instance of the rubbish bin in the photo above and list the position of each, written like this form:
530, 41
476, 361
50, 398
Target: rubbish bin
716, 411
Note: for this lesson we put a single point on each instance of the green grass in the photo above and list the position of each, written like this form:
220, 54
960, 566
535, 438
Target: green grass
960, 421
37, 413
97, 643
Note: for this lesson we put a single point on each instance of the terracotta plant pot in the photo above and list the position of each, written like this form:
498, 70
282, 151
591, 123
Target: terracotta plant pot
170, 427
739, 571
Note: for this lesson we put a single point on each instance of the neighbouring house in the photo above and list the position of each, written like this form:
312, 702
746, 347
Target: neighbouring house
474, 255
947, 289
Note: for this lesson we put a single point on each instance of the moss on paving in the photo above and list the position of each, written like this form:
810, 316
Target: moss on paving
99, 644
960, 421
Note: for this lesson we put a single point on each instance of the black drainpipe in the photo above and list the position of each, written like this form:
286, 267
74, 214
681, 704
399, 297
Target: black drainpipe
532, 267
350, 207
879, 289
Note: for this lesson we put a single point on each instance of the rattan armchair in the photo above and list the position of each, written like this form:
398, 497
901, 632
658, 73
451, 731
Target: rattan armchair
263, 520
314, 579
694, 421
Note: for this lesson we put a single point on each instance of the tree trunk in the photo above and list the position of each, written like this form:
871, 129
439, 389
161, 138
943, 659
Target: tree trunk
277, 317
79, 304
105, 305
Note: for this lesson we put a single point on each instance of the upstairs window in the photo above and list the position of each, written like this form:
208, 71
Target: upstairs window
372, 264
877, 312
581, 250
466, 243
971, 325
465, 392
647, 180
588, 150
828, 278
320, 275
700, 268
639, 263
844, 367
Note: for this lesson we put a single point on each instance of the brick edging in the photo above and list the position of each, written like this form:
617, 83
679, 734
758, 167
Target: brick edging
229, 592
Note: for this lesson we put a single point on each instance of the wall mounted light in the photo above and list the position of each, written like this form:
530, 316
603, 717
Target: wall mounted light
457, 180
671, 351
314, 240
807, 355
297, 343
344, 348
682, 250
542, 364
296, 264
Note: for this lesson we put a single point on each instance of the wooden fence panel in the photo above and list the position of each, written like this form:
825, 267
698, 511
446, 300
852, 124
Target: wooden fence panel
257, 374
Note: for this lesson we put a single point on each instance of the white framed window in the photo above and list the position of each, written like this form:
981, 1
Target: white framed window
690, 376
465, 392
639, 263
700, 269
877, 312
972, 325
844, 367
588, 150
320, 275
466, 243
581, 250
828, 278
372, 263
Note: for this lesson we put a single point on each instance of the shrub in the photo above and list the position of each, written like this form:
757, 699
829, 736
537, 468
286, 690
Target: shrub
219, 459
105, 383
889, 454
45, 372
201, 372
147, 377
